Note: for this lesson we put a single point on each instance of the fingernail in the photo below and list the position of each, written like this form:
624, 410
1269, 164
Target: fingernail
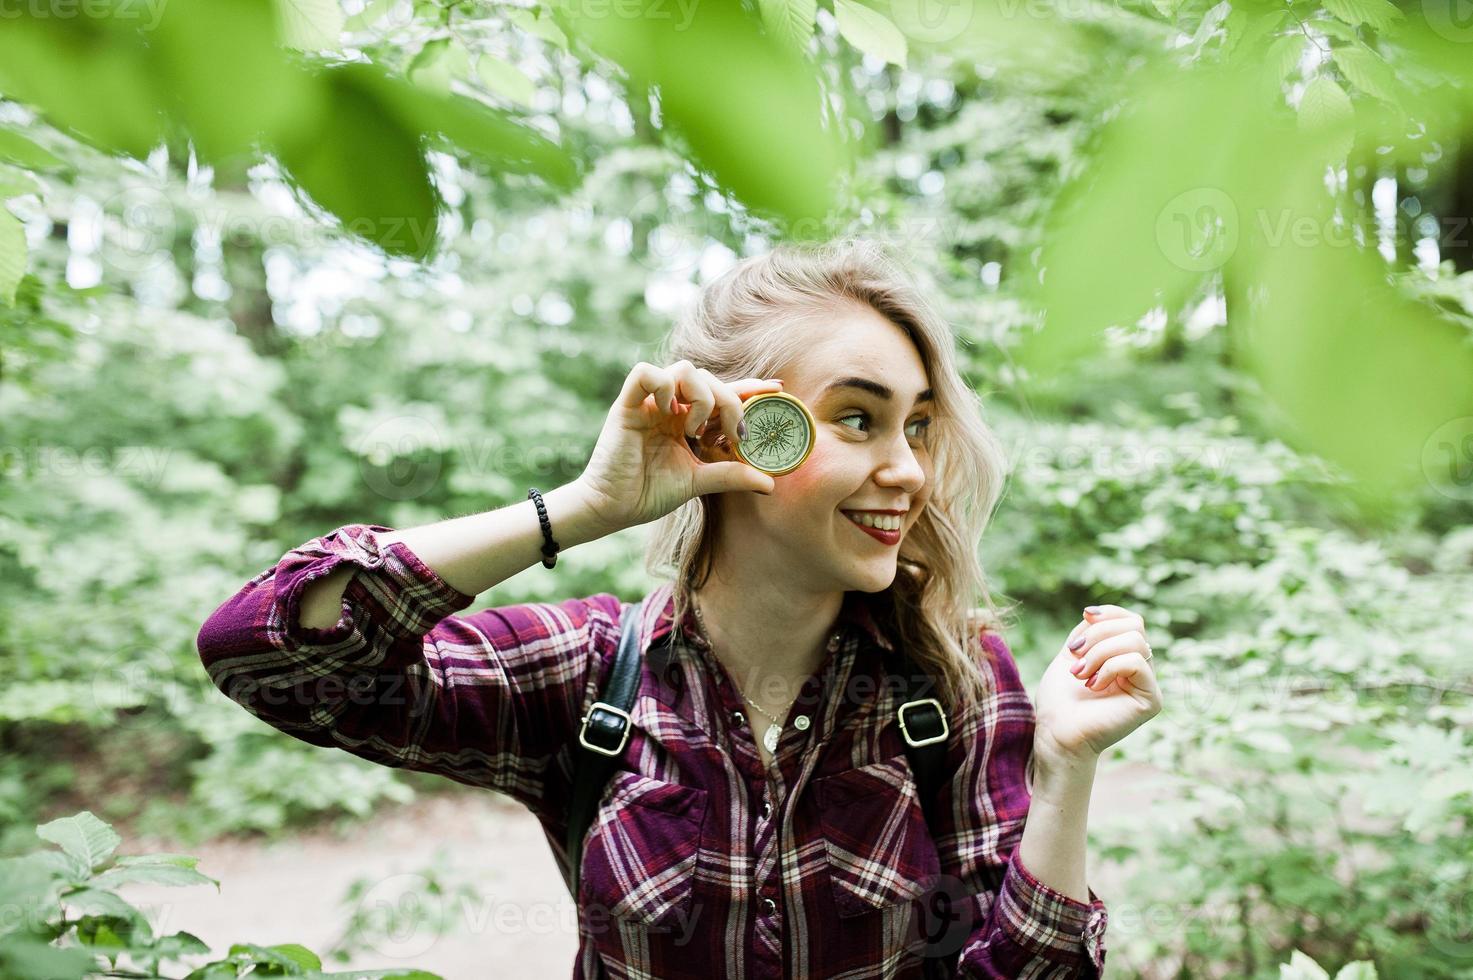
1091, 681
1078, 666
1092, 610
1078, 642
742, 429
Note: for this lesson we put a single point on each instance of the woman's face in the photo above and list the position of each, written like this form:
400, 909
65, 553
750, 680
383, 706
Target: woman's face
867, 388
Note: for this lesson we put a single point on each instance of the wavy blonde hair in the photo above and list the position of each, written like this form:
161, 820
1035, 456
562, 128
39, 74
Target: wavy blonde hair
742, 326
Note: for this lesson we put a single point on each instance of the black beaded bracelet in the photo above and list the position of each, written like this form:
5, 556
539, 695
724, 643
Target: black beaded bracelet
549, 546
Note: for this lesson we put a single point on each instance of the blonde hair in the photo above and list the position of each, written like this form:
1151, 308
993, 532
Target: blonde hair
741, 326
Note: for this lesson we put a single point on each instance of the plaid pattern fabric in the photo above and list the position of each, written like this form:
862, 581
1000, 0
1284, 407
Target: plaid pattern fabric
699, 862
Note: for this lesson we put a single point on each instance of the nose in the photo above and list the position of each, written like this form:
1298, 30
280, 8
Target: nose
901, 468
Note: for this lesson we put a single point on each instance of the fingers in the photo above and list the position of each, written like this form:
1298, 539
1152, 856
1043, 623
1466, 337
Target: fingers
1086, 634
1096, 656
1132, 674
646, 379
729, 396
682, 383
1103, 610
731, 475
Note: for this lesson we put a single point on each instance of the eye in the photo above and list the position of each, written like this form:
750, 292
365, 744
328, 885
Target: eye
923, 423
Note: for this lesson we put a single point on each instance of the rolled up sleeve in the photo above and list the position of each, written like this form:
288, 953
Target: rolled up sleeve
1019, 927
488, 698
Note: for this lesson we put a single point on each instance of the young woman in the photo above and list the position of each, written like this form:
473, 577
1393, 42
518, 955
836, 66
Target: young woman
713, 855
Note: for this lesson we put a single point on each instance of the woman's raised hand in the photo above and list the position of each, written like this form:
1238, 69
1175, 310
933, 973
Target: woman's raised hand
642, 467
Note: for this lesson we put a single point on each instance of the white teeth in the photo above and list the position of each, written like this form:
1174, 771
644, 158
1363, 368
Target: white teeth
883, 522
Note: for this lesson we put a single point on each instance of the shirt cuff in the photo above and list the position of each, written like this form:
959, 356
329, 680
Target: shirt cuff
404, 598
1050, 924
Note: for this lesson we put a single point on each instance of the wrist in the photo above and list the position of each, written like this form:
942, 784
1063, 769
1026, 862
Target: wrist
1062, 776
573, 518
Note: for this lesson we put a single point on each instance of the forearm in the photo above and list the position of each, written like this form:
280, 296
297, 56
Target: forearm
1054, 836
476, 552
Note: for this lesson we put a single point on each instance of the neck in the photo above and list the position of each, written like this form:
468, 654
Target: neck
768, 637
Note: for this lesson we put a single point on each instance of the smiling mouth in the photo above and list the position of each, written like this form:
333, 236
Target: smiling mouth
890, 523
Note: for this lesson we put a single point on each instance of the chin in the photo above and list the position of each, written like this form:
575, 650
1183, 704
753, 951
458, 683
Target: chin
873, 579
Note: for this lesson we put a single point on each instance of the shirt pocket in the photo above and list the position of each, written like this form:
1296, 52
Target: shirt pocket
880, 852
639, 859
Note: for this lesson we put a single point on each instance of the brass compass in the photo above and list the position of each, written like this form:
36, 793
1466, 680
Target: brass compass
780, 432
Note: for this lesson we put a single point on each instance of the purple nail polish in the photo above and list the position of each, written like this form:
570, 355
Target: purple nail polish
1092, 610
742, 429
1077, 643
1078, 666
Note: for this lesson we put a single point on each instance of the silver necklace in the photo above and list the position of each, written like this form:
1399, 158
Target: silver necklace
774, 730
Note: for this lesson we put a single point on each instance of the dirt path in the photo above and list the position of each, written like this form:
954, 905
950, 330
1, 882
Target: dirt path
517, 921
520, 921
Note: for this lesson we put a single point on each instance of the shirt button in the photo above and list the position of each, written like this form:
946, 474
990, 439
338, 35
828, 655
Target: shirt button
737, 718
766, 808
834, 642
801, 723
769, 906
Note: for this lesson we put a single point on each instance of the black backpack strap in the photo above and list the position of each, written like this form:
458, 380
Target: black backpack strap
601, 739
924, 729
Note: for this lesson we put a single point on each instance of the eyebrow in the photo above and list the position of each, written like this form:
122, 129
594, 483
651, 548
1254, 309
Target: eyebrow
874, 388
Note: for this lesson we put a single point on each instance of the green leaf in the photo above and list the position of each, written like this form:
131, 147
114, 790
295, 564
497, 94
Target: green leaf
391, 203
1301, 967
1359, 970
18, 149
438, 62
1375, 14
153, 874
506, 80
94, 901
870, 31
790, 20
1284, 54
160, 858
292, 956
1326, 111
1367, 71
310, 25
24, 958
469, 127
371, 13
746, 107
91, 76
12, 256
537, 23
81, 836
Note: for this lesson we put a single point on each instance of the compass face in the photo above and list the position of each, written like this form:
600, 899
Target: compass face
780, 433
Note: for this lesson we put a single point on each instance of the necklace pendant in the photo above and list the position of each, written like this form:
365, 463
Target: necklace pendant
769, 738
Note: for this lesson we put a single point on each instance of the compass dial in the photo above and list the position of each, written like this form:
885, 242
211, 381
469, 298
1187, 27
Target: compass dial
780, 432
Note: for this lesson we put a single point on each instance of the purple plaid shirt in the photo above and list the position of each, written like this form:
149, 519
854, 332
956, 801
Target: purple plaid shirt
699, 863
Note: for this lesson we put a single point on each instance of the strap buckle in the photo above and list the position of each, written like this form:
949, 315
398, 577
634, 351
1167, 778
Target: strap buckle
938, 713
624, 724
